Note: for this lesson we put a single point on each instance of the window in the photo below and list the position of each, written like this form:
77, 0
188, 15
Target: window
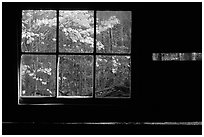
75, 54
177, 56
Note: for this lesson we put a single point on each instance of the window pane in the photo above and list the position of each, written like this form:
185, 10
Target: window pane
38, 31
76, 31
113, 31
113, 76
75, 75
176, 56
38, 75
197, 56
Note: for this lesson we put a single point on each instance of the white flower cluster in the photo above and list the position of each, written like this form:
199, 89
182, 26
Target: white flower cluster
98, 60
81, 18
88, 40
64, 78
128, 57
73, 34
45, 70
31, 74
115, 63
50, 22
99, 45
85, 33
76, 35
24, 69
40, 79
49, 91
113, 20
114, 70
29, 35
23, 91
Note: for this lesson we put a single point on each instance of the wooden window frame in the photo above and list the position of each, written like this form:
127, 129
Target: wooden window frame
70, 101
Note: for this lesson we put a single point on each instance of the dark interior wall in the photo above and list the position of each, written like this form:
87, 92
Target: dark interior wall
161, 91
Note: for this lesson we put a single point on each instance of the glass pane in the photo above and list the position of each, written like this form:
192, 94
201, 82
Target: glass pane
176, 56
113, 76
113, 30
197, 56
38, 75
76, 31
38, 31
75, 76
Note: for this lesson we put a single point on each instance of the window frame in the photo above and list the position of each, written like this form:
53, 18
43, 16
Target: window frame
60, 100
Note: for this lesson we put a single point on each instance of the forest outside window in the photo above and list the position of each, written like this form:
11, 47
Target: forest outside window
75, 54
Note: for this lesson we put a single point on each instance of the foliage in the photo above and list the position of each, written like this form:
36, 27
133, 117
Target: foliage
76, 35
38, 75
38, 31
112, 71
113, 31
76, 31
75, 75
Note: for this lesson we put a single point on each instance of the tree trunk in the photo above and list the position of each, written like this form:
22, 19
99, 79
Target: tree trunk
80, 81
110, 33
107, 44
102, 41
85, 86
62, 80
99, 80
121, 35
36, 67
102, 79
